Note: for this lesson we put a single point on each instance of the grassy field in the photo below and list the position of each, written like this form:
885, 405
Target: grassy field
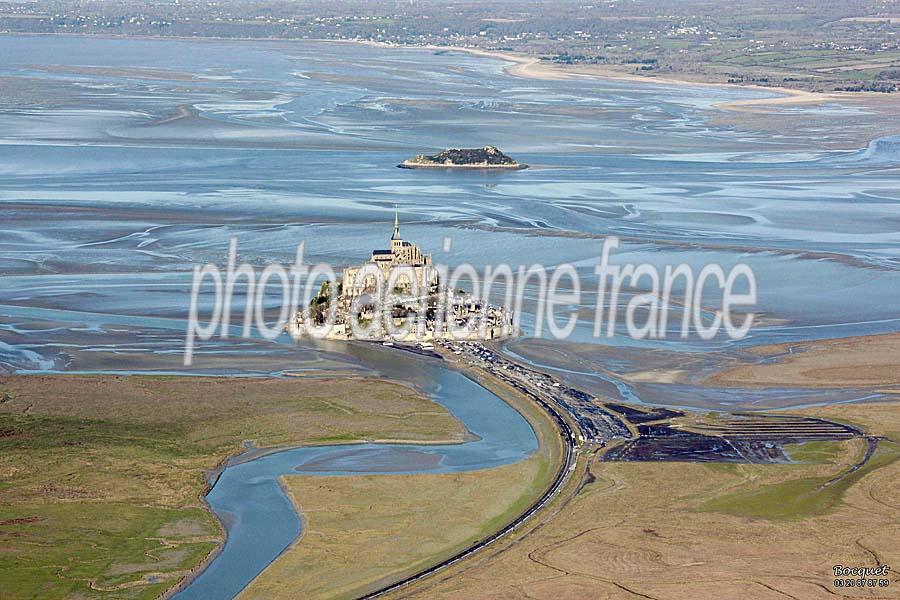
815, 452
368, 530
101, 477
797, 497
680, 530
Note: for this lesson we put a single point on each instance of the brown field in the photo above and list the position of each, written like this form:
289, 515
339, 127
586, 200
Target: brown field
363, 531
101, 477
845, 362
668, 531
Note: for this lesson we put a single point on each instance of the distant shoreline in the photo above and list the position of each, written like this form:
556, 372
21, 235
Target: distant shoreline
532, 67
527, 67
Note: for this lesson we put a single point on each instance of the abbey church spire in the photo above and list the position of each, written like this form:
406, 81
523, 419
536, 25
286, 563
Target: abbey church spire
396, 235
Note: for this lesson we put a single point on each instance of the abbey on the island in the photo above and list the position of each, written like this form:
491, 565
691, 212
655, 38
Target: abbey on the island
415, 300
401, 253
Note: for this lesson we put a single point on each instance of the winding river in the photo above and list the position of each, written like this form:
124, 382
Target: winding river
260, 519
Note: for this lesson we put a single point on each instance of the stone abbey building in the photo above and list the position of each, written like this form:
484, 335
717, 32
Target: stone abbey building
428, 311
401, 253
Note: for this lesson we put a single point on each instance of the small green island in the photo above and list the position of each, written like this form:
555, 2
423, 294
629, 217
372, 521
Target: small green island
488, 157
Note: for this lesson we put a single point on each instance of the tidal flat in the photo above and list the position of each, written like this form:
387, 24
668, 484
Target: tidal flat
124, 163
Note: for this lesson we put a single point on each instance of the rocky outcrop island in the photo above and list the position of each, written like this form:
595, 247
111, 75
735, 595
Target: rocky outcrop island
488, 157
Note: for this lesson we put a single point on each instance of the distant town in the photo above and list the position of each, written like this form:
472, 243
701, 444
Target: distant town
816, 46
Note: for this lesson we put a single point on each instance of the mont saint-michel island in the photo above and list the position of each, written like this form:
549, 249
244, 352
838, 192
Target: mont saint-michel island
489, 157
398, 295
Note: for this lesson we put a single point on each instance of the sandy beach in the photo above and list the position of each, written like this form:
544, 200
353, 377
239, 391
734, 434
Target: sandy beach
845, 362
534, 68
531, 67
